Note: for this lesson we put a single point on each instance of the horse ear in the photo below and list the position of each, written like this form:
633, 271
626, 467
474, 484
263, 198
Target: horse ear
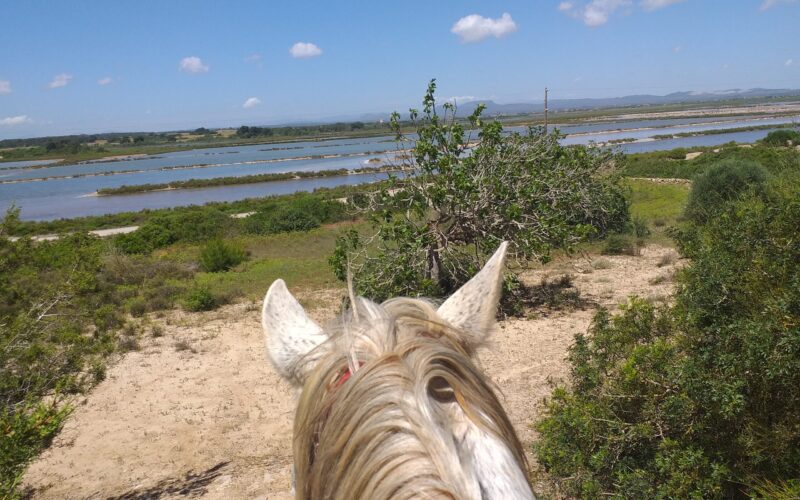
291, 335
473, 307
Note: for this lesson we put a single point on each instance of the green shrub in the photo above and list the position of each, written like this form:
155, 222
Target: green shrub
50, 297
301, 213
291, 218
722, 182
24, 432
107, 317
192, 226
145, 239
200, 298
782, 137
666, 164
161, 296
639, 227
701, 399
217, 256
619, 244
782, 490
137, 307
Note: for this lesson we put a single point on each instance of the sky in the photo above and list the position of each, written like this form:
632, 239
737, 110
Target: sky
97, 66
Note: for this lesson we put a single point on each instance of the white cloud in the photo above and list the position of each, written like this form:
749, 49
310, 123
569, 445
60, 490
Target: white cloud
474, 28
15, 120
768, 4
598, 12
105, 81
677, 49
304, 50
251, 103
5, 87
253, 59
60, 81
788, 62
657, 4
193, 64
595, 12
462, 98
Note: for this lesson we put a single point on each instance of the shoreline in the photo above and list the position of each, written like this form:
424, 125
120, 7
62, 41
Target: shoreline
237, 181
192, 167
766, 109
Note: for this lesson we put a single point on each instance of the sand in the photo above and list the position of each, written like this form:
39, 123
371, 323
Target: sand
198, 411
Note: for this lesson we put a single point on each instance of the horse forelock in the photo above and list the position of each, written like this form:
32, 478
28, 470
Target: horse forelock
395, 428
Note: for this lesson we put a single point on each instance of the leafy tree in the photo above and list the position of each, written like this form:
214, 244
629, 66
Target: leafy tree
466, 191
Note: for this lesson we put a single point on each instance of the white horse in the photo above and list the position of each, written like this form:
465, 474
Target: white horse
392, 402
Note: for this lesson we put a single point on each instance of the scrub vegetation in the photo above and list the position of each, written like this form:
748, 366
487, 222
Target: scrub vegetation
695, 398
700, 398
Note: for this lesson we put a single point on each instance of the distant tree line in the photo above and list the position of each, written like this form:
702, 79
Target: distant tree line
246, 132
65, 142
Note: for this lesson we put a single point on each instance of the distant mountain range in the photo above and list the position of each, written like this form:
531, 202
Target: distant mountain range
495, 109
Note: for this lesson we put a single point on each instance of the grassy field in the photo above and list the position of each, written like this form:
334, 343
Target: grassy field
659, 203
299, 258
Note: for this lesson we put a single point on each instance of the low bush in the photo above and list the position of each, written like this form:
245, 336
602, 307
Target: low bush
54, 336
200, 298
137, 307
554, 294
217, 256
301, 214
24, 432
700, 399
192, 226
620, 244
720, 183
666, 164
783, 137
144, 282
108, 318
161, 296
145, 239
639, 227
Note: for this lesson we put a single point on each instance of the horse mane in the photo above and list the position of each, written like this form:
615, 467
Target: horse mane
387, 431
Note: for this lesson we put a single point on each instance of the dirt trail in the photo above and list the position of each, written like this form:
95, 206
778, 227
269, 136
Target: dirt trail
198, 411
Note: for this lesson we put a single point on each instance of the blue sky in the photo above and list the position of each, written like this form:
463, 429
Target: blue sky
91, 66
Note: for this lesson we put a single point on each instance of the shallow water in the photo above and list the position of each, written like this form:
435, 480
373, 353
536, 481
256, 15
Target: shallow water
66, 191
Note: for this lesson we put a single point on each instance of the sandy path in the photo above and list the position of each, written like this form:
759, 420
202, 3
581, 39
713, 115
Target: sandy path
199, 412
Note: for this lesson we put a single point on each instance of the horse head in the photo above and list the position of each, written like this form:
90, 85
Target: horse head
393, 403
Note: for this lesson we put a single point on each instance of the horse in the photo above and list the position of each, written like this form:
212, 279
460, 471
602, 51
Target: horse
392, 402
